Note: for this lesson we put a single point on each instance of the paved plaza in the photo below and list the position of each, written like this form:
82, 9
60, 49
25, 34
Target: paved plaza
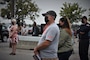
27, 54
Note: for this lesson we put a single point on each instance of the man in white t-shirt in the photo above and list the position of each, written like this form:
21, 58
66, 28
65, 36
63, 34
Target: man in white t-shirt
48, 44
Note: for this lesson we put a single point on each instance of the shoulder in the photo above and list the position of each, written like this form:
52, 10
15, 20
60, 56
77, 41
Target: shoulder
63, 31
54, 28
87, 24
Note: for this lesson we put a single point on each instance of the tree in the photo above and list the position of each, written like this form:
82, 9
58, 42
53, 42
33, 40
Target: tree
89, 14
72, 11
22, 9
6, 0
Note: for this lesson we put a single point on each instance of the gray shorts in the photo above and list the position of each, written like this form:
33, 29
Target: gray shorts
49, 58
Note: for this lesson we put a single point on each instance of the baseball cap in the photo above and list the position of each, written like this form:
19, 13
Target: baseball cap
51, 12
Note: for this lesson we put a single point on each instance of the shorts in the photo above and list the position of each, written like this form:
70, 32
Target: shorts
49, 58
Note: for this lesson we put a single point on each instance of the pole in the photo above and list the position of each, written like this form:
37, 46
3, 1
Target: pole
12, 8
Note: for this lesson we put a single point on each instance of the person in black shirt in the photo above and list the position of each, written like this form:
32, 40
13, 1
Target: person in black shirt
84, 39
35, 31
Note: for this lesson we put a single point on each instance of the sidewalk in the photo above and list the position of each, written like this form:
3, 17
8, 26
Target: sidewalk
27, 54
20, 54
75, 56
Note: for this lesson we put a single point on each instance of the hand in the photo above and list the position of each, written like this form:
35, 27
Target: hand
36, 51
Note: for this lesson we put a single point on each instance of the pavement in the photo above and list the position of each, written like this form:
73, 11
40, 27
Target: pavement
22, 54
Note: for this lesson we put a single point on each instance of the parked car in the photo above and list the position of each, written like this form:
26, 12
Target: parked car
5, 33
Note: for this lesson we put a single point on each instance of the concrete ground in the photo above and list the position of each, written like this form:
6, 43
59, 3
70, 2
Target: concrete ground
22, 54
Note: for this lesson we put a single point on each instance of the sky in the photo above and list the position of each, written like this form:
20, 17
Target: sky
46, 5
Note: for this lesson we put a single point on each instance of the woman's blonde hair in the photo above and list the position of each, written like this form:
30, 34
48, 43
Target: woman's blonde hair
13, 20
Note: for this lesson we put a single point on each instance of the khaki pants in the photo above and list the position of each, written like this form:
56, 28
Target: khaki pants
49, 58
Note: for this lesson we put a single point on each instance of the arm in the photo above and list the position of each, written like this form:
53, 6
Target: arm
82, 32
43, 45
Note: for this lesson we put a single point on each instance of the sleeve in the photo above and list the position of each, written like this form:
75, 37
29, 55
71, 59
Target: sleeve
51, 34
88, 28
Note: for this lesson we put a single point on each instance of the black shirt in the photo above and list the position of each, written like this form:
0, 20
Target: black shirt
85, 28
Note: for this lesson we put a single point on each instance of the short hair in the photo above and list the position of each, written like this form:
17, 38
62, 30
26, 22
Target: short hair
84, 17
13, 20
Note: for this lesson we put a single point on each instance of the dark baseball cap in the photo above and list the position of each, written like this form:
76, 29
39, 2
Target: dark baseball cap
51, 12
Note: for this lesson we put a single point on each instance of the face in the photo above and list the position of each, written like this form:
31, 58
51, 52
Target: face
61, 23
49, 17
13, 22
84, 21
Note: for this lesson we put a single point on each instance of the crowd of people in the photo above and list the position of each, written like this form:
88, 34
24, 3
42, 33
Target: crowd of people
56, 40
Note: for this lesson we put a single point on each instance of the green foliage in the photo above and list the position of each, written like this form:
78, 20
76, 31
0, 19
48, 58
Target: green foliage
3, 12
89, 14
7, 0
72, 11
22, 9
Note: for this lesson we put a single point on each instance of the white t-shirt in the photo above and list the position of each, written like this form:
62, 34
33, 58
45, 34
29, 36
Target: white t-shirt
24, 30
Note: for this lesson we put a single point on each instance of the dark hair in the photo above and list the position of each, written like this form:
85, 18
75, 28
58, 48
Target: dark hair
66, 25
84, 17
34, 23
